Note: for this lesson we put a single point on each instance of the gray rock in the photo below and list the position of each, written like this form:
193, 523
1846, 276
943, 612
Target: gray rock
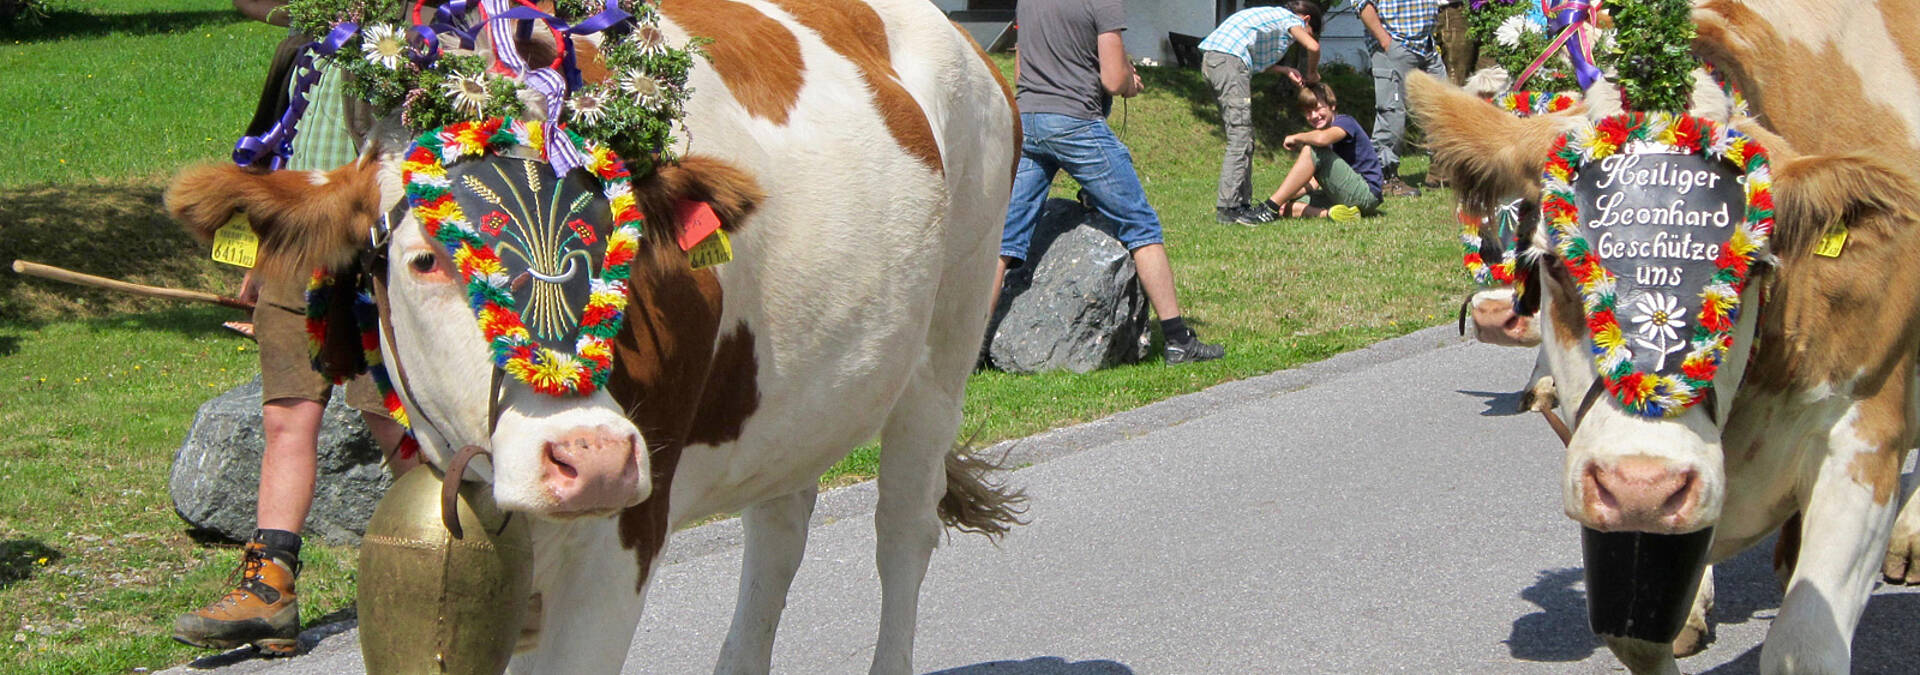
1077, 303
216, 472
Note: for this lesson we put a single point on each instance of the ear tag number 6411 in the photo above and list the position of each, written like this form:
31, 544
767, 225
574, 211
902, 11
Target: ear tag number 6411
234, 243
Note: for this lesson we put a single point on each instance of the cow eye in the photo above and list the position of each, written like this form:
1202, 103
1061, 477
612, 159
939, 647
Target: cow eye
423, 262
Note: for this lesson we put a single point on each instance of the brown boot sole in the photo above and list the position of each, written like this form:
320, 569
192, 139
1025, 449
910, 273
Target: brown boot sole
272, 647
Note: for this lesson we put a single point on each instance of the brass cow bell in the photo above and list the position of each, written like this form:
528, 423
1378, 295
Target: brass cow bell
434, 602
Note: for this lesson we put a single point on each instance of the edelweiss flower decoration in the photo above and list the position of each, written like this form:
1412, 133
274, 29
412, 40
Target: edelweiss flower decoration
589, 107
469, 92
645, 90
1658, 320
383, 45
650, 40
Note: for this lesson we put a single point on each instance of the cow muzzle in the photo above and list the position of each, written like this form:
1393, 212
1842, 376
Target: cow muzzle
564, 458
1640, 494
1495, 321
591, 470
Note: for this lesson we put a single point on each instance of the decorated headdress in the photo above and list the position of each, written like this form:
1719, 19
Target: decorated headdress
1658, 215
521, 168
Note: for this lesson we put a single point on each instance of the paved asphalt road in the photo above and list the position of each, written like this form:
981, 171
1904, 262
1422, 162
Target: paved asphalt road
1378, 512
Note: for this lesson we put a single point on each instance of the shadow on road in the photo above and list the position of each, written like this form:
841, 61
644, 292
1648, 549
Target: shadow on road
1045, 665
1744, 590
1499, 404
1559, 631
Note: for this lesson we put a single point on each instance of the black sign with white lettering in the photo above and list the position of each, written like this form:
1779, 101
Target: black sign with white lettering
1658, 221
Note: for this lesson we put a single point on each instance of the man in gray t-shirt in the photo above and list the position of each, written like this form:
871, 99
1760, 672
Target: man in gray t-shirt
1071, 63
1059, 63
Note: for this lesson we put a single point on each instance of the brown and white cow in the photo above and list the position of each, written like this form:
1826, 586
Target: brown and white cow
859, 152
1818, 422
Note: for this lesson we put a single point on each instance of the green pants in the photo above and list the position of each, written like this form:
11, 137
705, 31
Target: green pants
1339, 184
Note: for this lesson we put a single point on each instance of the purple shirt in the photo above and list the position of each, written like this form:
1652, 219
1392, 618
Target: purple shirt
1357, 150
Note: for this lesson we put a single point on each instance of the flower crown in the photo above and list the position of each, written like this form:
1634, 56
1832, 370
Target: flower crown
393, 52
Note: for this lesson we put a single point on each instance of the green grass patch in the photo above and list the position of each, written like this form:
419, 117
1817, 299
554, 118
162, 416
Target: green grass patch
100, 388
109, 90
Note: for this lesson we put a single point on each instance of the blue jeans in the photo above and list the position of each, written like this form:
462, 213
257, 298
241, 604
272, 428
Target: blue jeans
1089, 152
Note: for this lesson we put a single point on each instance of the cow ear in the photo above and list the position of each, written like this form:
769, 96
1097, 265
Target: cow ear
1489, 155
732, 192
1869, 195
304, 219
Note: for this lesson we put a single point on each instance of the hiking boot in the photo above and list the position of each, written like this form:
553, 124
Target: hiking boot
1192, 350
260, 610
1399, 188
1228, 214
1257, 214
1342, 213
1433, 180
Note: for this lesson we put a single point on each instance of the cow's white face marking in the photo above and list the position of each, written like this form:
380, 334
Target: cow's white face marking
1677, 466
449, 374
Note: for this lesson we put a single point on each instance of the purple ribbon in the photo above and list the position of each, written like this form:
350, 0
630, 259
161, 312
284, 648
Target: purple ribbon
1573, 16
554, 86
276, 145
609, 17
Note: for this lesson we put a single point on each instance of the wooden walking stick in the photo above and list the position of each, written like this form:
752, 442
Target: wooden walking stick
72, 277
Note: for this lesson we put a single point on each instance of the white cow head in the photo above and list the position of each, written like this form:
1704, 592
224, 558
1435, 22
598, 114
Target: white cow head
555, 453
1625, 471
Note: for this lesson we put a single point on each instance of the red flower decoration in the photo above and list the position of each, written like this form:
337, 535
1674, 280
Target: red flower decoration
494, 222
585, 231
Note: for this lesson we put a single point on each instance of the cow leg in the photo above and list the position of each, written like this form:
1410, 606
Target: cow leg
589, 593
918, 434
1697, 633
1903, 548
776, 533
1845, 524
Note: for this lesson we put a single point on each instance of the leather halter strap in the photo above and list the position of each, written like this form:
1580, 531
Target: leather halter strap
376, 261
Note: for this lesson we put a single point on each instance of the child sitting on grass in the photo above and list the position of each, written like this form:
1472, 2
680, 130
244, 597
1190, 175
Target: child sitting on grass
1338, 173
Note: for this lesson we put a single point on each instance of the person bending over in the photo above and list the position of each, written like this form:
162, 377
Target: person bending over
1251, 40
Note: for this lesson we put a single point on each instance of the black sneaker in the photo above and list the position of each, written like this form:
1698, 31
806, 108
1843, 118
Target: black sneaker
1258, 214
1191, 351
1228, 214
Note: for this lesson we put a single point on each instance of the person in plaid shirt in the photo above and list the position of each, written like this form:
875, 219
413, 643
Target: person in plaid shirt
1253, 39
262, 609
1401, 36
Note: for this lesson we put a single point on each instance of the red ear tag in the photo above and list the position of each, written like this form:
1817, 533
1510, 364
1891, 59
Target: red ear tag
697, 222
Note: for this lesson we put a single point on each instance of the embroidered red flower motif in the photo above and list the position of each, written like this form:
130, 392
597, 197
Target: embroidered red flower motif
493, 223
585, 231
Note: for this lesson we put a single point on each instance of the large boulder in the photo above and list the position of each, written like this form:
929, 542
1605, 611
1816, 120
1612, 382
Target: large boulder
1077, 303
216, 472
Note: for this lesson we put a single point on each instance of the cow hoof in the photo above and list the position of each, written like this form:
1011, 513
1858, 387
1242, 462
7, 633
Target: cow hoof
1540, 396
1899, 567
1693, 639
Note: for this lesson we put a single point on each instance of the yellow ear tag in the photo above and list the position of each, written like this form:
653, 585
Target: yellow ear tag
234, 243
1832, 241
711, 251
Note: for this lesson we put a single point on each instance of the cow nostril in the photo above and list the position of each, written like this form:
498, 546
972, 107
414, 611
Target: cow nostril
1679, 497
565, 469
1598, 489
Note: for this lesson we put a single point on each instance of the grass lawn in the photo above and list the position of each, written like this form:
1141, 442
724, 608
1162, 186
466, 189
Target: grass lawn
112, 96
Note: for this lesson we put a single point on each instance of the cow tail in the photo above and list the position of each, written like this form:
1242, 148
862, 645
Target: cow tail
974, 503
